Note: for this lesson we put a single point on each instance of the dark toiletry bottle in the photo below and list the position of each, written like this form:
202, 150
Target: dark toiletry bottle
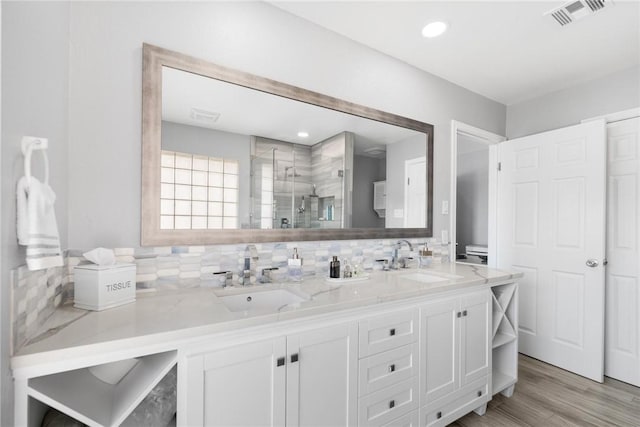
334, 268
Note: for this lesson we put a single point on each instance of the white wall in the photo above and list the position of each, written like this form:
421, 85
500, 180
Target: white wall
35, 66
616, 92
105, 92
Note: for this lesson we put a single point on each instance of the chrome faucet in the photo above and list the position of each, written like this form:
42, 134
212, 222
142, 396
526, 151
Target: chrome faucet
396, 260
250, 254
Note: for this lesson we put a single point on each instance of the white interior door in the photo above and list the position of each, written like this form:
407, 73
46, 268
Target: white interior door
415, 202
551, 213
622, 346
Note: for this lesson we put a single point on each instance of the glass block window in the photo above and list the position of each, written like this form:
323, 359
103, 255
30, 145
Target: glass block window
266, 205
198, 192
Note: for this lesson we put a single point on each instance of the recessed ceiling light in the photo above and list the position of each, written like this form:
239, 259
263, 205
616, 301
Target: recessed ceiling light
303, 134
434, 29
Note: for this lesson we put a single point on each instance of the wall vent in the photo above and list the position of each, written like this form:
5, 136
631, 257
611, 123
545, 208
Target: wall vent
204, 115
577, 9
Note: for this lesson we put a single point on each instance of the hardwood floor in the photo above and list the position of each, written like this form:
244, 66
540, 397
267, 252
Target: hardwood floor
547, 396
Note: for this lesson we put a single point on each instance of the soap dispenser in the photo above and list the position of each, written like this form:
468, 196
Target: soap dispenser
294, 267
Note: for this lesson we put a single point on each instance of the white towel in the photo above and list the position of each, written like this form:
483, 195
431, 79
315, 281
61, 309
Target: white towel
37, 228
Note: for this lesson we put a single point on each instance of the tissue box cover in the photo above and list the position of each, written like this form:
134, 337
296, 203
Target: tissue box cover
100, 287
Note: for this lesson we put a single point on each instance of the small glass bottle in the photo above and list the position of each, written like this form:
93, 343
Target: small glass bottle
334, 268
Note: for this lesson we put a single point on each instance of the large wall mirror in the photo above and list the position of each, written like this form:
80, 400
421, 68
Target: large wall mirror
230, 157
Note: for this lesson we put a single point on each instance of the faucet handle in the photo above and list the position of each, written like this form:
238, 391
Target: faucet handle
228, 277
266, 274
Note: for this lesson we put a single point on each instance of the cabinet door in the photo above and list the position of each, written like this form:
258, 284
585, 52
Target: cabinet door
475, 337
240, 386
322, 379
439, 353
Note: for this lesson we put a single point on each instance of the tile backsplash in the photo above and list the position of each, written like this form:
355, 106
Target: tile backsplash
37, 294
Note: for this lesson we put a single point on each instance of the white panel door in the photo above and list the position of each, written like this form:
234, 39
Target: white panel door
475, 337
622, 345
439, 350
551, 221
415, 202
241, 386
322, 377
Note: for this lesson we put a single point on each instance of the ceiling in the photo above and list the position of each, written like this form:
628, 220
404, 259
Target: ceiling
505, 50
244, 111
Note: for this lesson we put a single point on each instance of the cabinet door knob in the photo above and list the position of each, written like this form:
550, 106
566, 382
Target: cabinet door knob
439, 415
459, 314
392, 331
280, 361
392, 367
392, 404
294, 358
464, 312
479, 393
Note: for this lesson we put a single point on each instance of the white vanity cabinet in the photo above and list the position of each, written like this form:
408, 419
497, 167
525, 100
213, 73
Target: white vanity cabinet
455, 357
388, 368
308, 378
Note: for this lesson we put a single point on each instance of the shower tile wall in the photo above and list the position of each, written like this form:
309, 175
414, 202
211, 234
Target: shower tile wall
331, 162
290, 167
36, 294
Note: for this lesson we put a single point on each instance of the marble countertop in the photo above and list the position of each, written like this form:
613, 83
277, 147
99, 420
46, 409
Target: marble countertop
157, 319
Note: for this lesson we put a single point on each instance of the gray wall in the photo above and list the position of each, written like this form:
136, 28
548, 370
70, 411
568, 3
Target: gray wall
105, 92
214, 143
397, 153
472, 201
35, 70
366, 170
616, 92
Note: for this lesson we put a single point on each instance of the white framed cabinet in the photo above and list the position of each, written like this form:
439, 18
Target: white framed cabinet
455, 357
303, 379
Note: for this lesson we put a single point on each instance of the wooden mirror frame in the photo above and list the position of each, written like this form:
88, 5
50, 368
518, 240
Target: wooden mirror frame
154, 58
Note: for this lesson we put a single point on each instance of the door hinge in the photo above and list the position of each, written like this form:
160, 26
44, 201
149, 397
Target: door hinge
499, 166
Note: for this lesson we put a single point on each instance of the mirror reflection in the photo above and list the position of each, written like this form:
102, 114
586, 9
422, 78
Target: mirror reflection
238, 158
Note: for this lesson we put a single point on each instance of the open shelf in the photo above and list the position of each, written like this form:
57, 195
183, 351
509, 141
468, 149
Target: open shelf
81, 395
505, 337
502, 339
501, 381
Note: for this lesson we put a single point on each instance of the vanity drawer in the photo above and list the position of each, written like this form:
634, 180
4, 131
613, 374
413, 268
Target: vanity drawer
469, 398
382, 407
388, 331
384, 369
409, 420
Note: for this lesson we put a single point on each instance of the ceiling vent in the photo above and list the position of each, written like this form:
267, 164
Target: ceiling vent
204, 115
578, 9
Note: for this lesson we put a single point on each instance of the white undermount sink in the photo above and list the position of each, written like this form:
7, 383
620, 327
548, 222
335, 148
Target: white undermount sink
429, 278
271, 300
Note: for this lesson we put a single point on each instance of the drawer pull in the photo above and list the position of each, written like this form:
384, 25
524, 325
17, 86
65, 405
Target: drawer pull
459, 314
294, 358
392, 368
392, 331
392, 404
479, 393
439, 415
280, 361
464, 312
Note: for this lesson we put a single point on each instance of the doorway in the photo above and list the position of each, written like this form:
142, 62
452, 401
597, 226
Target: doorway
474, 164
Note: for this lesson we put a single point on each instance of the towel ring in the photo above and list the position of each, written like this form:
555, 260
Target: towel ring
29, 144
